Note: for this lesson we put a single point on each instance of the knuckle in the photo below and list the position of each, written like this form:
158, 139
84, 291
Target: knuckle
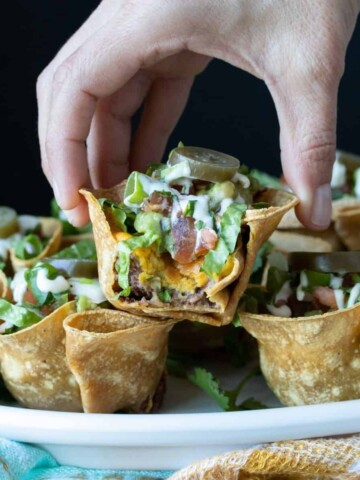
62, 74
317, 153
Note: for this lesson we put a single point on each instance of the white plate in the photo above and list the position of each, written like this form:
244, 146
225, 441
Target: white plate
189, 427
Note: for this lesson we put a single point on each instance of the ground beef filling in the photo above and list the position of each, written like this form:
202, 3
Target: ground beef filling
144, 292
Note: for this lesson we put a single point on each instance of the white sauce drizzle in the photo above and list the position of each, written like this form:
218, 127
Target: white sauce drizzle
46, 285
19, 286
90, 290
339, 297
304, 282
284, 293
283, 311
338, 178
354, 295
240, 178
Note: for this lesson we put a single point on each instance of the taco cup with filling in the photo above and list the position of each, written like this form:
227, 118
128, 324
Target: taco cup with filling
307, 324
181, 240
26, 239
34, 355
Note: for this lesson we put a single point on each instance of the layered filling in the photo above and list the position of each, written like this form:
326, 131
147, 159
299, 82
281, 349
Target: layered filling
304, 293
177, 232
40, 290
22, 233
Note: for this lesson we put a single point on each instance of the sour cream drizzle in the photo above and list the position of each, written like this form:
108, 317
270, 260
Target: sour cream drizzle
47, 285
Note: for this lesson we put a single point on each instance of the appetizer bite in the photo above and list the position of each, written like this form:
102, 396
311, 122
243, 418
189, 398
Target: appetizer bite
96, 360
25, 239
181, 239
307, 323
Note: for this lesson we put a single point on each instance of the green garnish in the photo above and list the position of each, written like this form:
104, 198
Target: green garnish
18, 316
29, 247
83, 250
164, 295
226, 399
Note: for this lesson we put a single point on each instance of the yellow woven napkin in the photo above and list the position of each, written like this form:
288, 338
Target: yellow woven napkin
318, 459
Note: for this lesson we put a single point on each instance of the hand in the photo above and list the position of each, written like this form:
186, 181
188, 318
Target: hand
146, 52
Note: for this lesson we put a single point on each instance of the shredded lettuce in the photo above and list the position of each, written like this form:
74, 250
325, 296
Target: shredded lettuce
267, 181
42, 298
84, 303
164, 295
16, 315
83, 250
230, 226
317, 279
121, 215
28, 247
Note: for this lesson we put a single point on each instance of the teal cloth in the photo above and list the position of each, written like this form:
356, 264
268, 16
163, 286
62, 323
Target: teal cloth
19, 461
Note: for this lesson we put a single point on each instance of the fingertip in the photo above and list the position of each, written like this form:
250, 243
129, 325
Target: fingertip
78, 216
315, 208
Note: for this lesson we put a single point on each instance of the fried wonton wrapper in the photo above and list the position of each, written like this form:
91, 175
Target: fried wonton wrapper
302, 240
34, 367
117, 358
51, 229
224, 296
100, 361
309, 360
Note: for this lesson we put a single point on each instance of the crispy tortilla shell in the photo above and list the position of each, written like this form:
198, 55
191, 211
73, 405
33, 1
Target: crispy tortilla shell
34, 366
309, 360
5, 290
52, 229
302, 240
347, 225
118, 359
260, 223
95, 361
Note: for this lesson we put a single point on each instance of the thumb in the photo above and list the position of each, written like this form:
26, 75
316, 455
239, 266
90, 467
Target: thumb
307, 117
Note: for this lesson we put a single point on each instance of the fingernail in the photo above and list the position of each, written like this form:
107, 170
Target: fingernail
321, 208
71, 215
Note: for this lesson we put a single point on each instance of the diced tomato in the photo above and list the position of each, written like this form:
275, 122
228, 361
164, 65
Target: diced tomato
325, 296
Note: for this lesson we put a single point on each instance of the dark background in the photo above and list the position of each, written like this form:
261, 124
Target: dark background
228, 110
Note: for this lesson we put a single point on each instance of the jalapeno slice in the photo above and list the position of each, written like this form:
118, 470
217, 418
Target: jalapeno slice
74, 267
205, 164
329, 262
8, 222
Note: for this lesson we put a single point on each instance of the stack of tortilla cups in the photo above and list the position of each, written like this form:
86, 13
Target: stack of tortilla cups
51, 228
96, 361
224, 296
309, 360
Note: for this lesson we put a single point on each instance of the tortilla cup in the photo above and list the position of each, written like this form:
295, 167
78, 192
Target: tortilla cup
5, 290
52, 229
34, 368
96, 361
223, 298
347, 224
118, 359
309, 360
302, 240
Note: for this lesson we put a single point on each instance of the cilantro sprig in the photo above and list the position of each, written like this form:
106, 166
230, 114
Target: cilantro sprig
226, 399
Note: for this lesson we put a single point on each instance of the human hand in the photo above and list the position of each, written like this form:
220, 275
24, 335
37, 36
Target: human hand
130, 53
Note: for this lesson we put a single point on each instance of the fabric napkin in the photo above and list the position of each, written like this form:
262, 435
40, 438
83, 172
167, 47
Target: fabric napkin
319, 459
